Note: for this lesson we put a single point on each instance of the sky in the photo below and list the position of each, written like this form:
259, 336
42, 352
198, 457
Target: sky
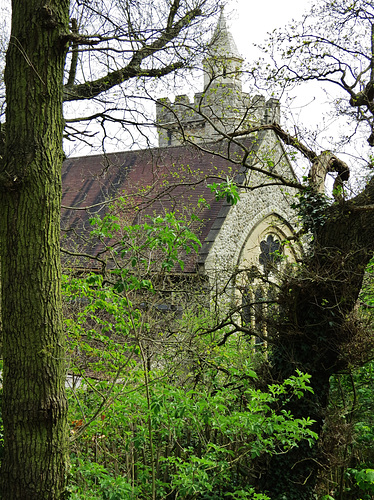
249, 22
250, 25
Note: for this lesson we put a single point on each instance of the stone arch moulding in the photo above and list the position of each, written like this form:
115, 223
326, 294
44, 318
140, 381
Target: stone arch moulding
271, 224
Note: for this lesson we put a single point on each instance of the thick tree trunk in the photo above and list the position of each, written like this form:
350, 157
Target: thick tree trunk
315, 330
34, 403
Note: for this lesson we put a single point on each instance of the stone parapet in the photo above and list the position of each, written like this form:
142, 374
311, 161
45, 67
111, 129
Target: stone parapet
211, 114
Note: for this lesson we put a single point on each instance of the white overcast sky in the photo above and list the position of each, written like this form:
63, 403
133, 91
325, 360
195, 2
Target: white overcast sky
251, 20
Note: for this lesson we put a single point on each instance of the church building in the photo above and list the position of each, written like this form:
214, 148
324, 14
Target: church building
201, 144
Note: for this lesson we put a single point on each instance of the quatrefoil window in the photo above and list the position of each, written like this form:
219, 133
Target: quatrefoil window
271, 250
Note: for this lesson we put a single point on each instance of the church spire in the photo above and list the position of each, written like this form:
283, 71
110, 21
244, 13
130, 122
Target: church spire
222, 43
223, 62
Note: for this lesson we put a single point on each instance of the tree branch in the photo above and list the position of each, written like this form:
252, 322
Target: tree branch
321, 164
94, 88
286, 138
74, 54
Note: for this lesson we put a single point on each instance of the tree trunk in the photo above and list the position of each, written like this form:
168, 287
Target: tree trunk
315, 330
34, 403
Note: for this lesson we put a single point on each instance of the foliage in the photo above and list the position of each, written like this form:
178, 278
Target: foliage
311, 208
156, 409
169, 235
364, 479
348, 435
128, 305
349, 426
203, 441
225, 190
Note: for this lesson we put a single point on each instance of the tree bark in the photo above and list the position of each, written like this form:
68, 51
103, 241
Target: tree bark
34, 403
314, 331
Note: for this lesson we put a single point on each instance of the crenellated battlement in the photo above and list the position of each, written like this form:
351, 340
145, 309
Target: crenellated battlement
218, 111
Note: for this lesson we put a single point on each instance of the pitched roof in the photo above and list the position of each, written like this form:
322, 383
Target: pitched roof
150, 182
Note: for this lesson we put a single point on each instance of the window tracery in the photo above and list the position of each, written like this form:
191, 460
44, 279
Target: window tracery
271, 250
258, 295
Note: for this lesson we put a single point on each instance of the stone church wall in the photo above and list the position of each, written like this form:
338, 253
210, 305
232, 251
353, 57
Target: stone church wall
260, 212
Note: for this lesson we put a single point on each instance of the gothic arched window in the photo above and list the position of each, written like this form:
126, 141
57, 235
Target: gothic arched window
271, 250
258, 294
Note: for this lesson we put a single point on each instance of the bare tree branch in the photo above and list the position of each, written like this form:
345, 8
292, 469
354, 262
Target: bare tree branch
91, 89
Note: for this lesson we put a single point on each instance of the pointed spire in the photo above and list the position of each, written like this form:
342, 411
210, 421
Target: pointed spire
222, 64
222, 43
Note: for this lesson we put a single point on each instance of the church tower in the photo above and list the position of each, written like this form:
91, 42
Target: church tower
222, 107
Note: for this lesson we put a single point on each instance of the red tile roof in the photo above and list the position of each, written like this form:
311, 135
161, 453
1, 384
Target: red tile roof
153, 181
